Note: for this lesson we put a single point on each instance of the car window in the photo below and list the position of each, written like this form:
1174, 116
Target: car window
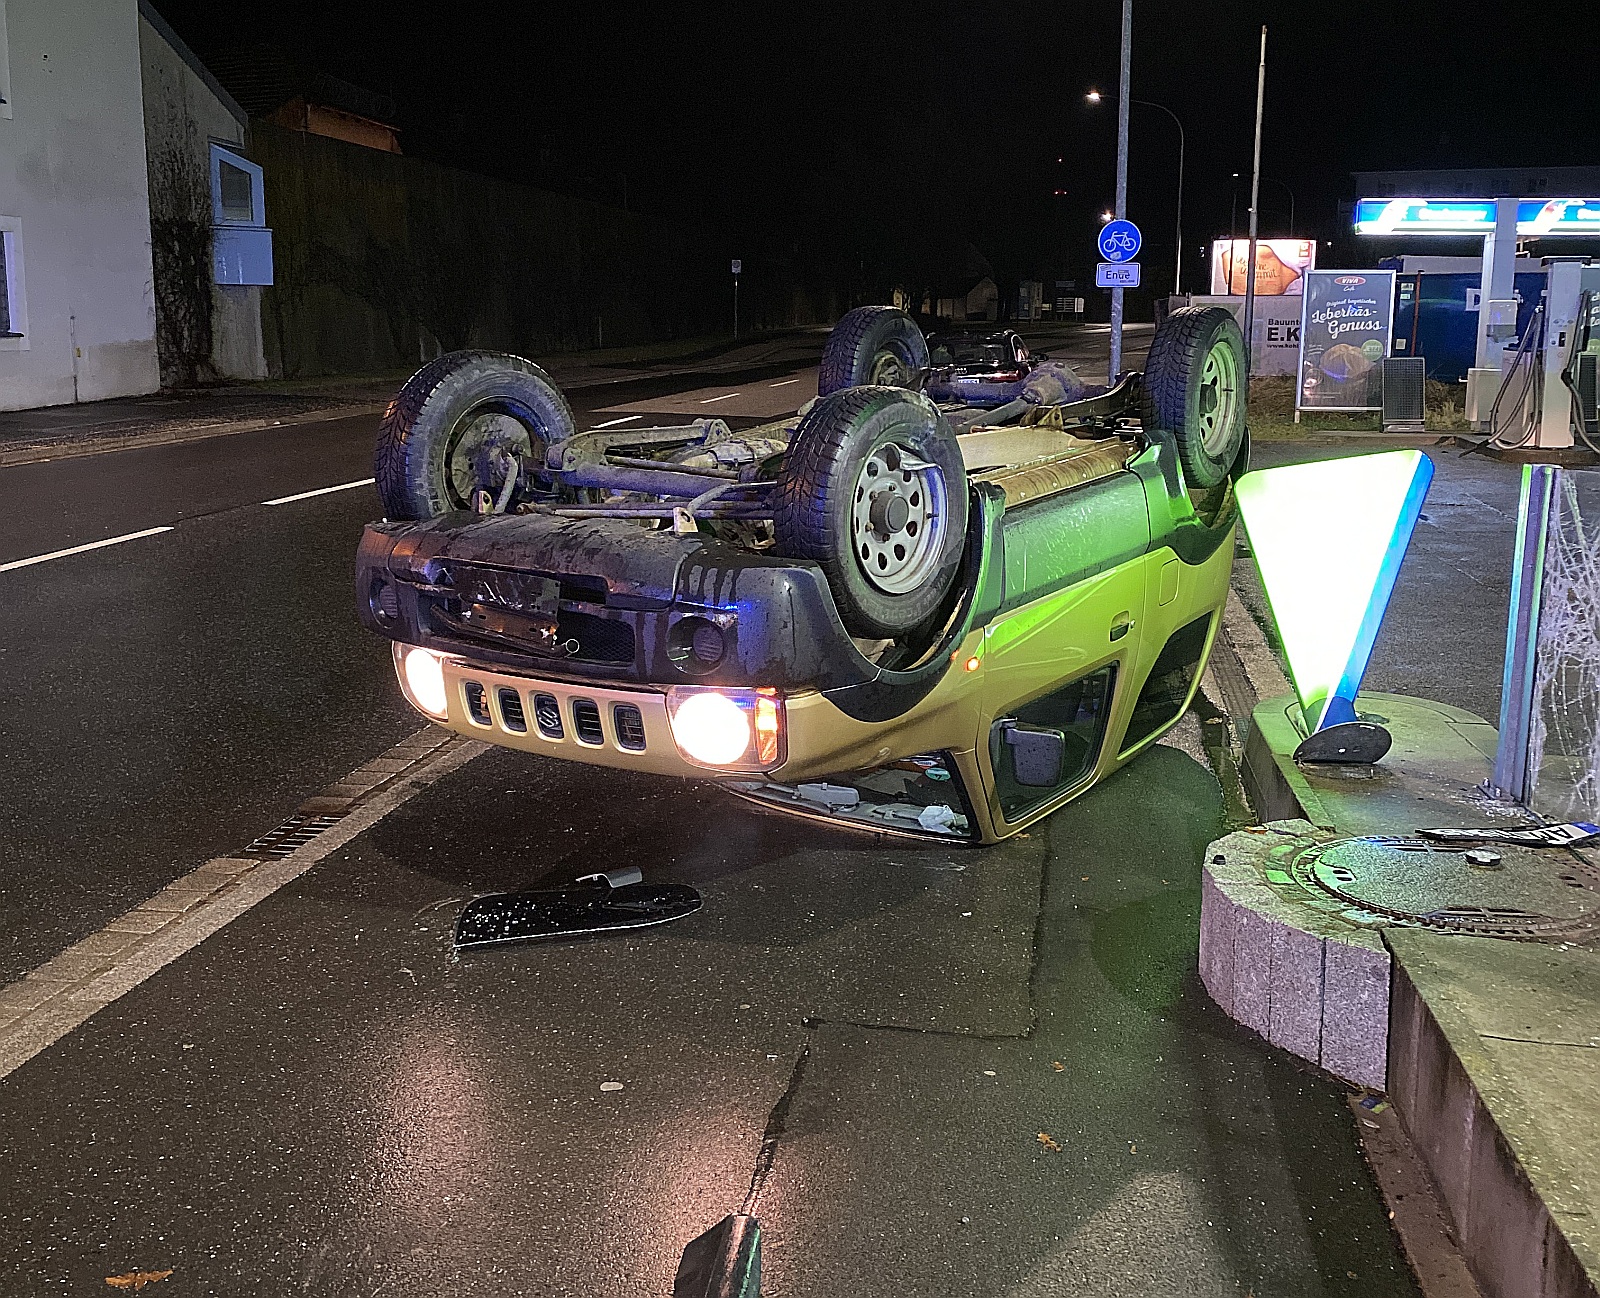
1077, 712
915, 795
1166, 689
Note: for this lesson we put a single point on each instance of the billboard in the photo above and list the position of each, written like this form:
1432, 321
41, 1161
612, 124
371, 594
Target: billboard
1347, 318
1281, 265
1275, 348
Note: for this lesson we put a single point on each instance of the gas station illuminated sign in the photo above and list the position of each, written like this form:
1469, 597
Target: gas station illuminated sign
1467, 216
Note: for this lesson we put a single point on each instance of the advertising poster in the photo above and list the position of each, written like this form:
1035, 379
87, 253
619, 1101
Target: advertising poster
1346, 323
1281, 265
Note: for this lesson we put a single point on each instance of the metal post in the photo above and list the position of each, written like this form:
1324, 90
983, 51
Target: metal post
736, 306
1177, 273
1255, 203
1122, 178
1510, 779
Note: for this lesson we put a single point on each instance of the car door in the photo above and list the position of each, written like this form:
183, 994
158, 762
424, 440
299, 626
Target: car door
1059, 654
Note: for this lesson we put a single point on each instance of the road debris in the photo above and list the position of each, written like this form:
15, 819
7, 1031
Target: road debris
610, 1086
1058, 1066
137, 1280
1049, 1142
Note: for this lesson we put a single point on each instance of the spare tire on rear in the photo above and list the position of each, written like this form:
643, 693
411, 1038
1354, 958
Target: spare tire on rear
467, 422
1195, 387
878, 346
873, 489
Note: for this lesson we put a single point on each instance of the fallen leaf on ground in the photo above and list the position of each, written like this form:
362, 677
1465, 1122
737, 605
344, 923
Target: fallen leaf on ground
1058, 1065
137, 1279
1048, 1141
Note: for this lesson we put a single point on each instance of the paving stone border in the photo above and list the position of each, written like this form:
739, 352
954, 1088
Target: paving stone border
1308, 974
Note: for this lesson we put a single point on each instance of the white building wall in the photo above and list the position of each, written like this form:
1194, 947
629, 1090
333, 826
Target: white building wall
182, 112
73, 178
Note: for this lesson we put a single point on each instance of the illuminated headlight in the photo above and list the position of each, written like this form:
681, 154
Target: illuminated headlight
421, 673
728, 730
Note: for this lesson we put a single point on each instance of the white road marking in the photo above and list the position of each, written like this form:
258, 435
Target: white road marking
612, 423
320, 491
784, 384
724, 397
49, 1003
79, 549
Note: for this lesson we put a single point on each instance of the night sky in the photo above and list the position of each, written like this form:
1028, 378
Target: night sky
897, 135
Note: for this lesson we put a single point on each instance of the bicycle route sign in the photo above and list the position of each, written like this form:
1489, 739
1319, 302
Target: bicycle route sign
1120, 240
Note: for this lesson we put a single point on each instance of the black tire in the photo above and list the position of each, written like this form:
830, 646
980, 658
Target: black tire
872, 346
446, 432
1195, 387
889, 565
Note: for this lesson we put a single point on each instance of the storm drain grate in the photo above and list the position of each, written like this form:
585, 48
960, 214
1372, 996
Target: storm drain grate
294, 833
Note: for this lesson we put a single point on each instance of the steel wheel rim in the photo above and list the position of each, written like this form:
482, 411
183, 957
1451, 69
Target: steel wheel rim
1219, 398
898, 517
888, 370
474, 454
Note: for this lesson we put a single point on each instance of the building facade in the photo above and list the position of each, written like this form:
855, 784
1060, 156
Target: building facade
78, 319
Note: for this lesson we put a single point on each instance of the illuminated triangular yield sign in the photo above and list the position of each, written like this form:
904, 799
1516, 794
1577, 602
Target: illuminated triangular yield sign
1328, 539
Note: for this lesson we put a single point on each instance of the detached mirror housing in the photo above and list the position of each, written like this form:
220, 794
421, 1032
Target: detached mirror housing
1037, 754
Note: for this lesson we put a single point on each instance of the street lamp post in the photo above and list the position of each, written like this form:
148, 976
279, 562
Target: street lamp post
1177, 274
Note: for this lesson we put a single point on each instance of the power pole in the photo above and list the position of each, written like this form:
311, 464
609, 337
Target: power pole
1255, 201
1122, 177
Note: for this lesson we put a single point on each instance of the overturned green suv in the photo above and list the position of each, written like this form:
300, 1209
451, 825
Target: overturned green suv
884, 613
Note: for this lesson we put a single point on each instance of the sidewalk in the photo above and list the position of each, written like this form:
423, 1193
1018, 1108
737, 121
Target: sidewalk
163, 417
1373, 960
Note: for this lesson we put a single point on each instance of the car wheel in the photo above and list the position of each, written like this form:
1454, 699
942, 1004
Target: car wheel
874, 490
877, 346
1195, 387
467, 422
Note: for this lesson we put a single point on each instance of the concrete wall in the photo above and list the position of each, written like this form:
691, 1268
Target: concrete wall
183, 115
73, 182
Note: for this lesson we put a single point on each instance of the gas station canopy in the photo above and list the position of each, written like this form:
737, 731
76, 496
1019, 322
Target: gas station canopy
1467, 216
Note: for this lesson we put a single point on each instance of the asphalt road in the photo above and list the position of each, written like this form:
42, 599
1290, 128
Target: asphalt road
1003, 1075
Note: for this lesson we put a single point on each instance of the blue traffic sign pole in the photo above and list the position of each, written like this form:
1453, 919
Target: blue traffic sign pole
1119, 244
1122, 180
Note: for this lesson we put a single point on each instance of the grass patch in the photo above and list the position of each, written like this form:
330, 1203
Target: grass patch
1272, 412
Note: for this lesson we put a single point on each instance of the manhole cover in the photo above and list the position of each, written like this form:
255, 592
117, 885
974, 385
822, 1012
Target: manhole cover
1511, 892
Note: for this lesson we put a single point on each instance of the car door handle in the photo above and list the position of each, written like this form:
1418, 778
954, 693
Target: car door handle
1121, 625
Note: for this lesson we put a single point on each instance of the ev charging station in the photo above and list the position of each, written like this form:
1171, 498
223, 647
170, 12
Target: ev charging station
1533, 392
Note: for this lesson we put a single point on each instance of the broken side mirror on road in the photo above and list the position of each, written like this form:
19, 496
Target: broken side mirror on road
608, 902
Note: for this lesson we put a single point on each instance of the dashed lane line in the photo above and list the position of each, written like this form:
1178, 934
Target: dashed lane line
80, 549
321, 491
726, 396
612, 423
784, 384
53, 1000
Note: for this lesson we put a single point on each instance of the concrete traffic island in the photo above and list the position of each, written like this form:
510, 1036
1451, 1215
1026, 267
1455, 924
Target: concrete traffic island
1488, 1048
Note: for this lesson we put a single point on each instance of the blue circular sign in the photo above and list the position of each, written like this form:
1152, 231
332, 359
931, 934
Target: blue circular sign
1120, 240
